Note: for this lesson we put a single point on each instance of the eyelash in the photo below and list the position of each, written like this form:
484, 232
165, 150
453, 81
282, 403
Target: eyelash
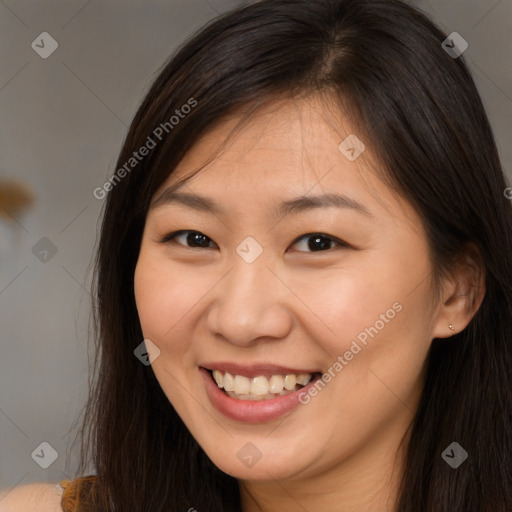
171, 236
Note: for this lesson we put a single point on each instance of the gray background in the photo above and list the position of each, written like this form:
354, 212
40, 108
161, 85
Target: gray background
62, 122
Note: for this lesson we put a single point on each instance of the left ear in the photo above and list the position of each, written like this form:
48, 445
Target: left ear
462, 293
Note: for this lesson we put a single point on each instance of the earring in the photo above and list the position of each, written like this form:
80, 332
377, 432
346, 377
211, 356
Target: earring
451, 327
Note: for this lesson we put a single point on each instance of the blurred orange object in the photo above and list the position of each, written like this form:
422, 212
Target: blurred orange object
15, 197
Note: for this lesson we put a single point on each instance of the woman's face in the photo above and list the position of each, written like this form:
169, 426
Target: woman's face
275, 279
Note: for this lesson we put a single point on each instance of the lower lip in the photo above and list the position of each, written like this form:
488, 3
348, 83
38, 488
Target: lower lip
251, 411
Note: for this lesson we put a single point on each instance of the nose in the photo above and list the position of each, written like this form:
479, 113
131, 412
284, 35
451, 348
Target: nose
249, 305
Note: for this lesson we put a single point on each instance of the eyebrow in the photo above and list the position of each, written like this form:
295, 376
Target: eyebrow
297, 205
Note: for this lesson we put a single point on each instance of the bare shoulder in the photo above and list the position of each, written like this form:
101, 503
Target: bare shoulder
32, 498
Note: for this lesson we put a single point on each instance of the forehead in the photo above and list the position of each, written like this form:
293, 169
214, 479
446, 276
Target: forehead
287, 149
286, 134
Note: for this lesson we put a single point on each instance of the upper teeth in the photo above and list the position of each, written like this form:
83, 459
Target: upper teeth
259, 386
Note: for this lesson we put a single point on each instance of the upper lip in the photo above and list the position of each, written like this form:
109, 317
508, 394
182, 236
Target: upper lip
255, 370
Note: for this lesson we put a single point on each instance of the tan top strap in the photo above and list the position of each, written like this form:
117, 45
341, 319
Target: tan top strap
76, 495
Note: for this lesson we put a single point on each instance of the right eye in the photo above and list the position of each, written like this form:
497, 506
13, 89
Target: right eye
196, 239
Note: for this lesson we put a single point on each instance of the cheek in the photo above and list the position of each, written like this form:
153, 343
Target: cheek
163, 296
377, 318
168, 299
340, 306
386, 346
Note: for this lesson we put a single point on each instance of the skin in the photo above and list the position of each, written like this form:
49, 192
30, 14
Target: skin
33, 497
297, 307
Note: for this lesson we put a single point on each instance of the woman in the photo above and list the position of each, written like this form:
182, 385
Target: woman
304, 296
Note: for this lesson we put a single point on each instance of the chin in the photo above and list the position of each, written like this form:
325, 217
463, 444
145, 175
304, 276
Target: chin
243, 460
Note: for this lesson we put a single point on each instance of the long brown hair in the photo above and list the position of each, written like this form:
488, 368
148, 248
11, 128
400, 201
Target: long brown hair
382, 61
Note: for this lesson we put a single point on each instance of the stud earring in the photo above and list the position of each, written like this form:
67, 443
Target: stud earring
451, 327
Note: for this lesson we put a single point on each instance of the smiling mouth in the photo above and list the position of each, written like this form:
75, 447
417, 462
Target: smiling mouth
261, 387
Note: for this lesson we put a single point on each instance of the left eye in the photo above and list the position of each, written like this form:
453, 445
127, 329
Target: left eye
316, 242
